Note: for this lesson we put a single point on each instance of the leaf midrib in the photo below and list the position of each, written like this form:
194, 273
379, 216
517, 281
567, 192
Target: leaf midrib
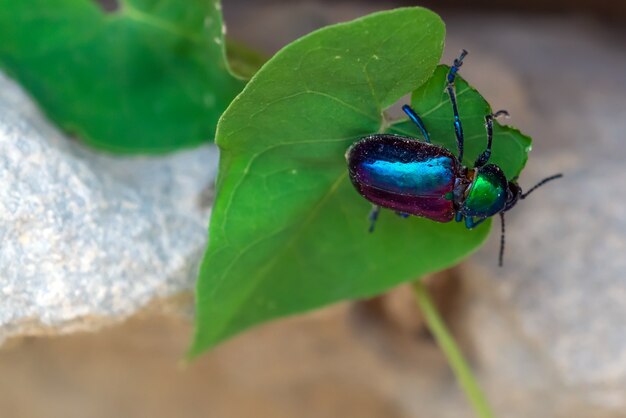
256, 279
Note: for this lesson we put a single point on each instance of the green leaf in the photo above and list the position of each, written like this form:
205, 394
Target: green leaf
288, 232
151, 77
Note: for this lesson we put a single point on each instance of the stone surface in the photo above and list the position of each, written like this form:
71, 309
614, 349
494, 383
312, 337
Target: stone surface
88, 238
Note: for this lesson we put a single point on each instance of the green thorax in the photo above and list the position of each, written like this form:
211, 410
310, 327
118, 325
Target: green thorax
487, 194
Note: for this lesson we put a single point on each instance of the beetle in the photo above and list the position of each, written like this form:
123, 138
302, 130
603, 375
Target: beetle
418, 178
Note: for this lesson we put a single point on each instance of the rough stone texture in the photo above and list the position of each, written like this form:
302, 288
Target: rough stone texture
88, 238
545, 333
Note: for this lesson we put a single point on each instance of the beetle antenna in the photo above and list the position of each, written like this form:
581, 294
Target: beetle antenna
501, 257
541, 183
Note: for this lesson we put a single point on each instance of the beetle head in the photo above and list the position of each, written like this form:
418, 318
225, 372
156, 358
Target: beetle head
514, 194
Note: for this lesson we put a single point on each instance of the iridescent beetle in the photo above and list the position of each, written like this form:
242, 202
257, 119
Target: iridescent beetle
422, 179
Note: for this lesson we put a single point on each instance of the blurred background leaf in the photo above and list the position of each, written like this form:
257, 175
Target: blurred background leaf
150, 76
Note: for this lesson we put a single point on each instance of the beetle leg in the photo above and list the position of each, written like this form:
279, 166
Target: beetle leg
373, 216
458, 128
470, 223
501, 257
417, 120
484, 156
458, 217
402, 214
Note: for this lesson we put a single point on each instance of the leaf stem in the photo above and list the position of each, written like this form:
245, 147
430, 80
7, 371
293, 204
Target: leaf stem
446, 342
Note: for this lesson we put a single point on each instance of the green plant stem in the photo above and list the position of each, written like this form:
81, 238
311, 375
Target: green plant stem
446, 342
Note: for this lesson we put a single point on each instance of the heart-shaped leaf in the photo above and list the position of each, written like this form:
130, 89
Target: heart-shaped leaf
288, 232
150, 77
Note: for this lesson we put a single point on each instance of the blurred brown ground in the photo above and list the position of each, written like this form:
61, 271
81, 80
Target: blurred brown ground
344, 361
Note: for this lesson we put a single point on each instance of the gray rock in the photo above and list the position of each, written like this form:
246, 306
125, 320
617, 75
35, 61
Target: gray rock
550, 324
88, 238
